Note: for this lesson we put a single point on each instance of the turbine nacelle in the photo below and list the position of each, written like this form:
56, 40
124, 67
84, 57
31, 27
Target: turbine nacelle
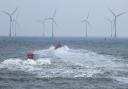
116, 15
86, 20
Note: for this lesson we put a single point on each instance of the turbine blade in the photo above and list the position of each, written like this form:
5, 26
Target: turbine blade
14, 11
88, 22
40, 21
16, 19
55, 23
44, 19
17, 16
109, 20
54, 14
5, 13
83, 21
88, 15
121, 14
48, 18
112, 12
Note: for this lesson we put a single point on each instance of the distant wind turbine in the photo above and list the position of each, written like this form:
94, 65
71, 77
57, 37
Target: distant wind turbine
111, 23
115, 20
52, 19
43, 25
11, 20
86, 25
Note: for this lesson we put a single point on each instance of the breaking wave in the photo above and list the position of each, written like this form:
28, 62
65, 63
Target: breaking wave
69, 63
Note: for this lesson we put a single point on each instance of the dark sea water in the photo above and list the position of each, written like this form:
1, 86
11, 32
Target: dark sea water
93, 63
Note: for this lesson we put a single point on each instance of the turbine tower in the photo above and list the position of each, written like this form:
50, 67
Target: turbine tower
43, 26
15, 24
52, 19
111, 23
11, 20
86, 25
15, 27
115, 20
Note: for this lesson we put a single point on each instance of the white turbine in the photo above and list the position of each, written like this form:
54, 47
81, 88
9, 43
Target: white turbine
111, 23
52, 19
115, 20
86, 25
11, 20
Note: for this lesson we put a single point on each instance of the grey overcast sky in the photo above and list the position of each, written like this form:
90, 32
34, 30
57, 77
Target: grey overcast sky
68, 17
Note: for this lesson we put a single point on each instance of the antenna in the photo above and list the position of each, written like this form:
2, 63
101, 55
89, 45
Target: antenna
11, 21
115, 20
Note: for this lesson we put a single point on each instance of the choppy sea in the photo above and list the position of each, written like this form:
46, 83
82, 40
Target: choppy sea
94, 63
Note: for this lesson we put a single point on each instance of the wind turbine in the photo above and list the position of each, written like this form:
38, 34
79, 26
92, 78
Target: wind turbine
52, 19
115, 20
111, 23
43, 25
11, 20
86, 25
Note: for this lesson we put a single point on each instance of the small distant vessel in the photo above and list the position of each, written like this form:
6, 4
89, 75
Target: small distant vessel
30, 55
58, 45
